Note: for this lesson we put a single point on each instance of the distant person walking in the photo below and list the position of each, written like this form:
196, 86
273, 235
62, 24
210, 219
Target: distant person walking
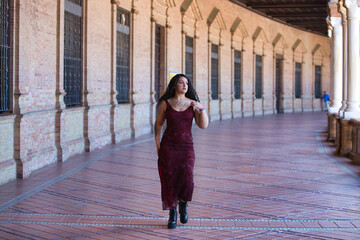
178, 106
326, 99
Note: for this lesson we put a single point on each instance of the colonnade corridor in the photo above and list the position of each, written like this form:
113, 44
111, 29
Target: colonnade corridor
267, 177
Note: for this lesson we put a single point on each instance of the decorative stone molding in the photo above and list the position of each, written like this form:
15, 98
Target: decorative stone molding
125, 4
352, 7
216, 24
330, 28
238, 34
342, 10
159, 11
260, 40
279, 44
194, 9
117, 2
318, 54
190, 16
299, 51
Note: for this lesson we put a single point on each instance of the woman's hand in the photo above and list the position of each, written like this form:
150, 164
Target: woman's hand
197, 106
201, 116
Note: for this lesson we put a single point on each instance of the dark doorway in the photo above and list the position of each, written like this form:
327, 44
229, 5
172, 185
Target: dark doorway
278, 85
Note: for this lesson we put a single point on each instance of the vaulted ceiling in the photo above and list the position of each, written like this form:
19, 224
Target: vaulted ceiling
308, 15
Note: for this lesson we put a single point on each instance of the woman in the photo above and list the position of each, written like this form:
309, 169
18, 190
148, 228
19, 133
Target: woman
179, 105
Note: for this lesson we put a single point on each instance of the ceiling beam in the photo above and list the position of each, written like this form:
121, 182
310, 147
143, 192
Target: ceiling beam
308, 23
308, 16
297, 14
287, 5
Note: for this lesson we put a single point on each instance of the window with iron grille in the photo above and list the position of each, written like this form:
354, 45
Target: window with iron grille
317, 81
237, 74
4, 55
214, 72
72, 52
297, 80
258, 77
189, 57
122, 55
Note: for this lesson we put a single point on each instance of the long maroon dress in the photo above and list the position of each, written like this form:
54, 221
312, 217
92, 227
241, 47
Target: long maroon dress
176, 158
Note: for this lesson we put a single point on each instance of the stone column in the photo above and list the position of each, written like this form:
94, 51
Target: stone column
342, 10
353, 15
337, 65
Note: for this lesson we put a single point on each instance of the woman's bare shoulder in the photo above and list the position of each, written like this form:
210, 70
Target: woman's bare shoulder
163, 105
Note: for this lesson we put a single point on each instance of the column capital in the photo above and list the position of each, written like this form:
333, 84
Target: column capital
336, 24
330, 28
342, 10
352, 7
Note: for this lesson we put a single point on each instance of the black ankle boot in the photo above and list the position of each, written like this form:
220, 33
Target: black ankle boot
172, 219
183, 212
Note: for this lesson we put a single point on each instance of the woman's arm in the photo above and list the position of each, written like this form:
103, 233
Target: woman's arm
158, 124
201, 117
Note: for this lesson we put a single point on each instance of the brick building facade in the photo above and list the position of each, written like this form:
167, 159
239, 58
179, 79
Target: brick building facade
82, 74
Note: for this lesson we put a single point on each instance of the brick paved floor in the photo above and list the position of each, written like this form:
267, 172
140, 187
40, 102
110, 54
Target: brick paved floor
272, 177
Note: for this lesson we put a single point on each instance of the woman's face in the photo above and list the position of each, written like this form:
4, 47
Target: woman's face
182, 85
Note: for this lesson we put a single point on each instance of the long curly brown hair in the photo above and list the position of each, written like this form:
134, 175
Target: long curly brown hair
170, 90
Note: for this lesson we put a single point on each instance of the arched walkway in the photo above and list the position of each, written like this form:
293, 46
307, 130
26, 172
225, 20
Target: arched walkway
269, 177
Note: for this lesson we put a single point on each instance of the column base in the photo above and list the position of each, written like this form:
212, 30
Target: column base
350, 115
355, 151
333, 110
344, 146
331, 127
